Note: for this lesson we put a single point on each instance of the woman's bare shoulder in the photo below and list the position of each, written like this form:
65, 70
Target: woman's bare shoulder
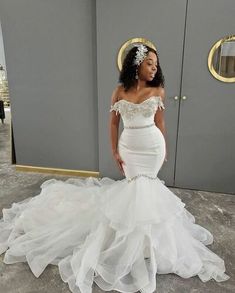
120, 88
116, 93
159, 91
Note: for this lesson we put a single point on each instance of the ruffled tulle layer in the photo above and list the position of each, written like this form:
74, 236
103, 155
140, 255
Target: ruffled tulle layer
118, 234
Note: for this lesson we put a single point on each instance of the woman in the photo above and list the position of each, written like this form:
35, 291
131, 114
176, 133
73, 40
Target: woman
141, 79
118, 234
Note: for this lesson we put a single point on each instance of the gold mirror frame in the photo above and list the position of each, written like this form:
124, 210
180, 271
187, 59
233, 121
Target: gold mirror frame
127, 44
210, 59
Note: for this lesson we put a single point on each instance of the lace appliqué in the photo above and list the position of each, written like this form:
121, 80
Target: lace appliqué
146, 108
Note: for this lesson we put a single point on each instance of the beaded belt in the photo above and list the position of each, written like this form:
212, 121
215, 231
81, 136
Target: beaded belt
139, 175
130, 127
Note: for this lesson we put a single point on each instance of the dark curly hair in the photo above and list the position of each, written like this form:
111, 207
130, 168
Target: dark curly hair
128, 72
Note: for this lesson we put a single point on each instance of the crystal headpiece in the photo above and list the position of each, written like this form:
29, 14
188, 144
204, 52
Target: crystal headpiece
140, 55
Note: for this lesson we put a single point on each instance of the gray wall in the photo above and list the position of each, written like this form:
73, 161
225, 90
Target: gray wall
50, 49
61, 63
2, 55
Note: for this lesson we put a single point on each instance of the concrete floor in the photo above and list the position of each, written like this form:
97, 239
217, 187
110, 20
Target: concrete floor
214, 211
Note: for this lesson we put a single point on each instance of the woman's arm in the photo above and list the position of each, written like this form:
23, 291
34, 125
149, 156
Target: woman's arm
159, 118
114, 127
114, 122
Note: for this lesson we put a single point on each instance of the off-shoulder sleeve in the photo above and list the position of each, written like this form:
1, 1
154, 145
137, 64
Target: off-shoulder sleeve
114, 107
160, 103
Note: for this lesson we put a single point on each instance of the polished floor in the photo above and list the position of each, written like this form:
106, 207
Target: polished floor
214, 211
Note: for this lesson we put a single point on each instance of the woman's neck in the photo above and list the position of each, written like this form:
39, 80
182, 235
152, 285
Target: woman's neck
140, 84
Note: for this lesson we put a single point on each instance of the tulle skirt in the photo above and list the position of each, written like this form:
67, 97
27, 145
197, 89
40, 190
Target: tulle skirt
116, 233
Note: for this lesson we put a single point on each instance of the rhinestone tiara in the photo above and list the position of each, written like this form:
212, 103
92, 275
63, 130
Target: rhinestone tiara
140, 55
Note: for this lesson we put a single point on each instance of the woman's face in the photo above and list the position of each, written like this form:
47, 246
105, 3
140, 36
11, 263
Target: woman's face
148, 67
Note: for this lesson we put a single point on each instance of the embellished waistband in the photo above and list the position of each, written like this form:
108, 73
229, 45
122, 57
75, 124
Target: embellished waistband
136, 127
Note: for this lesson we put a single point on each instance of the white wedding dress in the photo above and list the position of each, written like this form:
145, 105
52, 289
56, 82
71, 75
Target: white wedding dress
116, 233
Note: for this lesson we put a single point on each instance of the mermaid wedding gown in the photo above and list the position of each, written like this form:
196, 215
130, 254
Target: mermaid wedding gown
118, 234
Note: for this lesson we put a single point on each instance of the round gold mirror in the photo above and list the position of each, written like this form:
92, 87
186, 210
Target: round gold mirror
221, 59
128, 45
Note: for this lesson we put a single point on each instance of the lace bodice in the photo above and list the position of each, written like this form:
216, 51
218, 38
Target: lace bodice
139, 114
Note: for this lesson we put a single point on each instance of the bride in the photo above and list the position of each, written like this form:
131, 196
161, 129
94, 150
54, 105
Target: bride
116, 233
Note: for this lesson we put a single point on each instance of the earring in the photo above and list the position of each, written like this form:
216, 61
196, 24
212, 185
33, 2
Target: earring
136, 75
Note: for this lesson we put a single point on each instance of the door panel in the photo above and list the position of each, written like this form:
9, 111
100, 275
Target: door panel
117, 22
205, 157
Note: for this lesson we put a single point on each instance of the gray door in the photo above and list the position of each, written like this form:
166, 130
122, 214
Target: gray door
205, 154
117, 22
